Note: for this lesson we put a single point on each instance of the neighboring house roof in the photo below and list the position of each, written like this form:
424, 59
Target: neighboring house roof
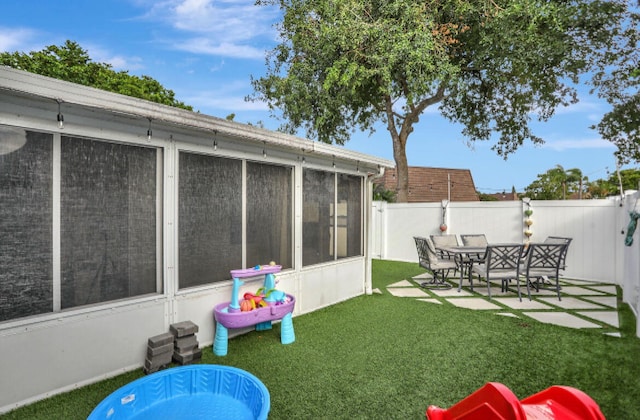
505, 196
434, 184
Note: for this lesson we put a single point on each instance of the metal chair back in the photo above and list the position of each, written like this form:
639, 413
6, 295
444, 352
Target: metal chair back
502, 262
560, 240
544, 261
428, 259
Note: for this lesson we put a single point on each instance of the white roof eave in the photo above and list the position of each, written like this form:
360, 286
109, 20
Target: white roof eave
65, 92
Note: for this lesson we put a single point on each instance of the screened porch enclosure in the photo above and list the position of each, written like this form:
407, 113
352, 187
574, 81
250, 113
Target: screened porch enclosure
108, 236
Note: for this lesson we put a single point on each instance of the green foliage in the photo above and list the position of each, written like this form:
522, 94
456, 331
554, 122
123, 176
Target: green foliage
382, 194
601, 188
558, 184
486, 197
490, 66
72, 63
630, 179
621, 88
545, 187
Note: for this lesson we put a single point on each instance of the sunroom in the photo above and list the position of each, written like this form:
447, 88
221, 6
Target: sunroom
120, 217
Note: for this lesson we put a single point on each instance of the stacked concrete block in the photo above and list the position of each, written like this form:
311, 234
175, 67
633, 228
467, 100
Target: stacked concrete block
159, 352
185, 349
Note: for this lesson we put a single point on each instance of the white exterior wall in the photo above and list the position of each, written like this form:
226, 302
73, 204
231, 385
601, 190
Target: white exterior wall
629, 256
51, 353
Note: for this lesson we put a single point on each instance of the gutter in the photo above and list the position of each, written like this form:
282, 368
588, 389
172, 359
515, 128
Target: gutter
368, 282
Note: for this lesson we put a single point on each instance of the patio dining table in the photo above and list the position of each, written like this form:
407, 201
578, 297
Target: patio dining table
465, 257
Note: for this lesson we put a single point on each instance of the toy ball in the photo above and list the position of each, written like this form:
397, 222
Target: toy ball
257, 267
246, 306
272, 263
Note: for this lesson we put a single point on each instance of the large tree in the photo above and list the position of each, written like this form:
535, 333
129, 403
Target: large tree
621, 88
72, 63
491, 65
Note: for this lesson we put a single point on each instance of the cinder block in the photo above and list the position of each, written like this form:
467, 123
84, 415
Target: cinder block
184, 344
160, 340
156, 363
154, 351
181, 329
188, 357
148, 371
161, 358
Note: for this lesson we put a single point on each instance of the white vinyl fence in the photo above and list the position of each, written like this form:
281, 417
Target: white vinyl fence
598, 228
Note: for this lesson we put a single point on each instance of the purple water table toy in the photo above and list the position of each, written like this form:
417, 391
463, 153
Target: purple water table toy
279, 306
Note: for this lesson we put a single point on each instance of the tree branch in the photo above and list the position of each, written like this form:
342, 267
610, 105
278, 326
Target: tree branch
418, 109
391, 125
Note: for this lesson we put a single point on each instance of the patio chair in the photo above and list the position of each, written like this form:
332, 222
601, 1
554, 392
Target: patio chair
443, 241
474, 240
502, 262
543, 263
560, 240
479, 240
429, 259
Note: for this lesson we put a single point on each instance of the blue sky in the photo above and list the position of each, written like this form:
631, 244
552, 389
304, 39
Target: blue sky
206, 52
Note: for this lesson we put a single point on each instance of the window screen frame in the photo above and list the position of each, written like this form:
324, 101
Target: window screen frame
245, 160
333, 220
55, 228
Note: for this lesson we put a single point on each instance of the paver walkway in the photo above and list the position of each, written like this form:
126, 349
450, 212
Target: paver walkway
584, 304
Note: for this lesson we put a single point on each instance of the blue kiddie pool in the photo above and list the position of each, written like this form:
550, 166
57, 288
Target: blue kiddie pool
189, 392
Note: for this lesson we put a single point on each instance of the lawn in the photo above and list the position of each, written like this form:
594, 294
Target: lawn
385, 357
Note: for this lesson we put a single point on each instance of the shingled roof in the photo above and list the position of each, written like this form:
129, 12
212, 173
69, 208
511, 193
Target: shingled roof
432, 184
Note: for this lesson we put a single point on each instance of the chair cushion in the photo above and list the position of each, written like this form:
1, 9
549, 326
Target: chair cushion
475, 241
502, 274
495, 273
443, 265
539, 272
481, 269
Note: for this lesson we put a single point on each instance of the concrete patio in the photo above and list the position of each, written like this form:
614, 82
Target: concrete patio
584, 304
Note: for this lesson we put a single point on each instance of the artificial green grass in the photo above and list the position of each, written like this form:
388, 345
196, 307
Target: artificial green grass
385, 357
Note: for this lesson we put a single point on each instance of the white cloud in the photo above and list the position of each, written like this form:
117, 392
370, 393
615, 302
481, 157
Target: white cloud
207, 46
588, 106
17, 39
229, 97
228, 103
229, 28
124, 63
119, 62
240, 20
568, 144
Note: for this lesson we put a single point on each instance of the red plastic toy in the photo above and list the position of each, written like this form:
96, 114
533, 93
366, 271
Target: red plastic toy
496, 401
